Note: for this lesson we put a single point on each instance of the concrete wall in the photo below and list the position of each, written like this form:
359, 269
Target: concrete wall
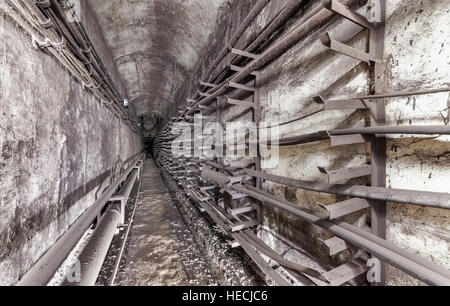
57, 144
288, 85
416, 57
229, 18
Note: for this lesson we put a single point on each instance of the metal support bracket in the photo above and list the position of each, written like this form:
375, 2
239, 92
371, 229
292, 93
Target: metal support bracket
242, 53
335, 245
120, 199
241, 210
349, 139
239, 69
342, 104
233, 244
139, 169
346, 207
347, 50
338, 8
346, 272
335, 176
240, 102
240, 86
241, 226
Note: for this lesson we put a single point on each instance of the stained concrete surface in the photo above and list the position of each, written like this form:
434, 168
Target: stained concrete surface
161, 249
74, 143
57, 145
414, 61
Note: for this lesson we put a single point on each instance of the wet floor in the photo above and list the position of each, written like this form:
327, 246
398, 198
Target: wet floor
160, 249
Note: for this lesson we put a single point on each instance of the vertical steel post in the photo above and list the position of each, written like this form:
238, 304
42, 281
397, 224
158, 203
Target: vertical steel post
256, 119
219, 160
378, 118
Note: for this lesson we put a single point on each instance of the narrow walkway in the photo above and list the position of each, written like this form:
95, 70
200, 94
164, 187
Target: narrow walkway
161, 249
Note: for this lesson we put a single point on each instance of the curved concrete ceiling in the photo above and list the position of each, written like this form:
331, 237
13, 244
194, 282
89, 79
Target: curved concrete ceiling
156, 44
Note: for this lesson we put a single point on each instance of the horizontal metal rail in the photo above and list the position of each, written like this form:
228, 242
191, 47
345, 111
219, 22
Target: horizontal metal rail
324, 135
315, 21
387, 95
422, 198
417, 130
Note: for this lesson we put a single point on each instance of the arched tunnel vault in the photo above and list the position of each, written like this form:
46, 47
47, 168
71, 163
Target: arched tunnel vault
156, 45
322, 155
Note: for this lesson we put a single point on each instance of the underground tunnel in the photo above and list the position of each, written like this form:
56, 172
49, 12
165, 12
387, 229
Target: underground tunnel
221, 143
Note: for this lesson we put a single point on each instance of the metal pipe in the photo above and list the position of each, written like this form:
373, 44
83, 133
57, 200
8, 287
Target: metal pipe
324, 135
296, 119
256, 9
77, 30
371, 97
280, 47
301, 139
94, 253
48, 31
44, 269
411, 267
288, 10
422, 198
373, 238
260, 262
214, 176
254, 12
393, 247
289, 40
74, 55
393, 95
419, 130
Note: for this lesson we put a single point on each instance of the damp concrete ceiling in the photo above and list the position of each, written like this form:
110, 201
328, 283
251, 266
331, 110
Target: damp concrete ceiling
156, 44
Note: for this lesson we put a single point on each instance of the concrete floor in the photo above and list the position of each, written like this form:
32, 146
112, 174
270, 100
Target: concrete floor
160, 248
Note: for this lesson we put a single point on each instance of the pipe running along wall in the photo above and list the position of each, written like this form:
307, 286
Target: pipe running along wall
47, 24
321, 17
44, 269
94, 253
417, 267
